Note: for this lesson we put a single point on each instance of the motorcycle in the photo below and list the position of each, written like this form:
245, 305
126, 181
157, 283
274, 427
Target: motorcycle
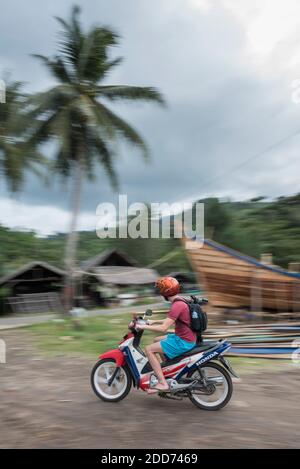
202, 375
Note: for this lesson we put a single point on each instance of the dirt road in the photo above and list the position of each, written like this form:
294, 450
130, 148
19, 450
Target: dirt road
48, 403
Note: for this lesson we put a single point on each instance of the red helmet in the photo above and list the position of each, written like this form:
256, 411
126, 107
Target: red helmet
167, 286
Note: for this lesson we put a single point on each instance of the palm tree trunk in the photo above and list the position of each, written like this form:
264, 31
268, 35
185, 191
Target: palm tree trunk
71, 246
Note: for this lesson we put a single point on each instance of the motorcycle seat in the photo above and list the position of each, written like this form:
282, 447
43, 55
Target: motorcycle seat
205, 345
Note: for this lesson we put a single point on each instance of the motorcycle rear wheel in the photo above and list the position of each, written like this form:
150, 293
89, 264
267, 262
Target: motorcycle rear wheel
213, 371
102, 371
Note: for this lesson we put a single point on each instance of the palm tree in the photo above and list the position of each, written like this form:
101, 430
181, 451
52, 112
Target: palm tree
15, 157
75, 112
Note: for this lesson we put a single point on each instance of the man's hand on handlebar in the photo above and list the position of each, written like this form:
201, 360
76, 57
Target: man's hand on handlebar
137, 322
131, 325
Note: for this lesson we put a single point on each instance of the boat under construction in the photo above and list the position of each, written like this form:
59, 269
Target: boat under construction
235, 280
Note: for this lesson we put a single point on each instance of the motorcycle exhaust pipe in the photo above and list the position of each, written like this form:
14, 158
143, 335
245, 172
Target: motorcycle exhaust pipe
174, 386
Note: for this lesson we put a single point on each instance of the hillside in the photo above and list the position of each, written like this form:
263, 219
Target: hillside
253, 227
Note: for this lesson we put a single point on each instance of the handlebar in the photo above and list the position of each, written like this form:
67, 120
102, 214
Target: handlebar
134, 321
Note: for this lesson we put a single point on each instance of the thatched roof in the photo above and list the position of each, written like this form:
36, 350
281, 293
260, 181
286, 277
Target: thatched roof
123, 275
30, 266
111, 257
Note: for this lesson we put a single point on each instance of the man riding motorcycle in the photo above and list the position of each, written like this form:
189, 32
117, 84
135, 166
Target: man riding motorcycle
173, 344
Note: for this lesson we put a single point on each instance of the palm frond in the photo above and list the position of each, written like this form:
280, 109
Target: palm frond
94, 61
42, 130
106, 159
56, 67
124, 129
12, 168
114, 92
70, 42
15, 156
104, 154
47, 102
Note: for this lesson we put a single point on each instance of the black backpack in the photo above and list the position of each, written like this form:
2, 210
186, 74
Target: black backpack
198, 322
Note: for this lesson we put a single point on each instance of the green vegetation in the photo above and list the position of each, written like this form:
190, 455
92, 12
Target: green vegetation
93, 336
253, 227
90, 336
19, 247
258, 227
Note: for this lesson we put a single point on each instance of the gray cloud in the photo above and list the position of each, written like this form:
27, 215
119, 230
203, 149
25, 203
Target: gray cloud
221, 110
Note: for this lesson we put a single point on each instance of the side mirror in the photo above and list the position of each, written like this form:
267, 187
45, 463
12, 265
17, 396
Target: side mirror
149, 312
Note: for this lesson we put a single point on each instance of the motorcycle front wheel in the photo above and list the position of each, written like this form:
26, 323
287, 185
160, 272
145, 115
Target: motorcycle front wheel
102, 372
215, 388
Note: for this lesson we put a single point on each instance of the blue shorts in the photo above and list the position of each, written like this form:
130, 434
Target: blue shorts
173, 346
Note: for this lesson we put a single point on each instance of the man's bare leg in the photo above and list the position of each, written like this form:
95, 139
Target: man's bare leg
151, 350
158, 339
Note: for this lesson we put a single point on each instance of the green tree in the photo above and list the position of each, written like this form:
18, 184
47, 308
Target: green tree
76, 115
15, 158
217, 218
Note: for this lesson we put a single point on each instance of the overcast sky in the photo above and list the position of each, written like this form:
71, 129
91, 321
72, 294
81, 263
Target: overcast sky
226, 69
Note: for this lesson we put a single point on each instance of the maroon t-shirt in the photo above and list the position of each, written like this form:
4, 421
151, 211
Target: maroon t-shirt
180, 310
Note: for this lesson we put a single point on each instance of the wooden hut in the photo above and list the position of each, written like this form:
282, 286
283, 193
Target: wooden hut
111, 273
33, 287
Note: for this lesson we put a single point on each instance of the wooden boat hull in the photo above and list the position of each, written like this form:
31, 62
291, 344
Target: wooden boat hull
234, 280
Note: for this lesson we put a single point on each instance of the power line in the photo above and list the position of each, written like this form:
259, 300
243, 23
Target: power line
251, 158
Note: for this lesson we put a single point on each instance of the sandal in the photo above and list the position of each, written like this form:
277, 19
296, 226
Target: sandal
155, 390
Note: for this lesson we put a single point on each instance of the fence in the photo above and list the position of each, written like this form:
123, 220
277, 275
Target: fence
36, 303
